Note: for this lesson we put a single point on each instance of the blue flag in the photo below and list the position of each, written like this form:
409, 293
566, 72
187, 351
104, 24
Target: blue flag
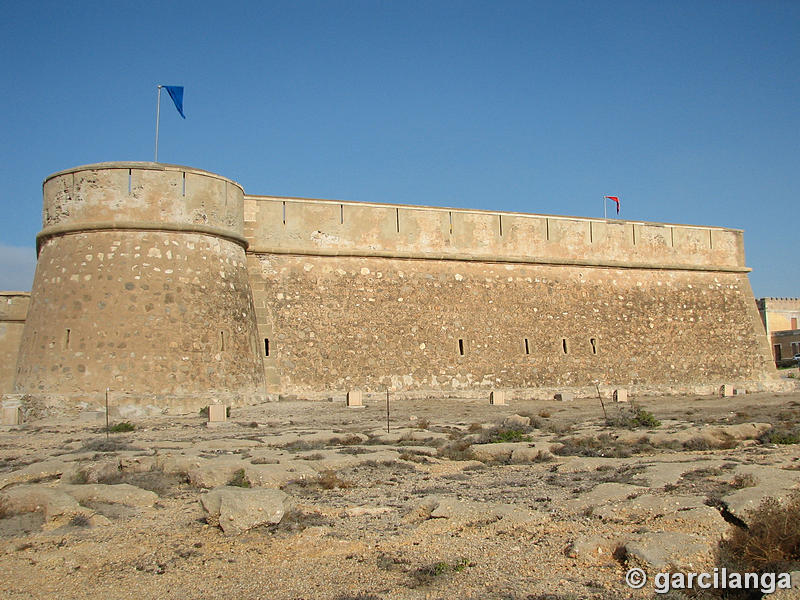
176, 93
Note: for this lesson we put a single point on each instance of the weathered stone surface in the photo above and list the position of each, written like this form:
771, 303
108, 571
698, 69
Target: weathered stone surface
647, 506
121, 493
41, 470
593, 548
55, 504
237, 510
660, 551
772, 482
601, 494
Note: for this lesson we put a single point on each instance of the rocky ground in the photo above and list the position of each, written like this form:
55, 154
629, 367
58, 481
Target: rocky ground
535, 500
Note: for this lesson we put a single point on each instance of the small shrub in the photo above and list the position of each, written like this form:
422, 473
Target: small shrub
425, 575
423, 424
544, 414
771, 542
744, 481
633, 419
122, 427
79, 520
543, 456
475, 427
239, 479
457, 450
780, 436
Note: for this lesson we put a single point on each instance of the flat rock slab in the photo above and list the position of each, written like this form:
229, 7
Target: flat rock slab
237, 510
216, 472
602, 494
41, 470
473, 512
326, 437
665, 550
647, 506
771, 482
121, 493
665, 473
229, 444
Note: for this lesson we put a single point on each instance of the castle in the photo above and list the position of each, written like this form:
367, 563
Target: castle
169, 285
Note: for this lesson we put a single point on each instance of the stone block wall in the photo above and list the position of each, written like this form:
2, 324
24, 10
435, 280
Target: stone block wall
13, 310
334, 323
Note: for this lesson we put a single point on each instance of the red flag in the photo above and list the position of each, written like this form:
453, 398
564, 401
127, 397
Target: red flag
615, 199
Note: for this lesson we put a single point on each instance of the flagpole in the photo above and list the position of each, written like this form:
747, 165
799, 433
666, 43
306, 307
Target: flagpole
605, 212
158, 118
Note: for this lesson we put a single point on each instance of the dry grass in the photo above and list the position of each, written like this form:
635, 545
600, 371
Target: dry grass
771, 542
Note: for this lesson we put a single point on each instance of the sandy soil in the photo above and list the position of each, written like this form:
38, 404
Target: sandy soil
409, 514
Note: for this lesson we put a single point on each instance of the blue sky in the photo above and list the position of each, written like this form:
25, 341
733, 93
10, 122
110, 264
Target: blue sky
686, 110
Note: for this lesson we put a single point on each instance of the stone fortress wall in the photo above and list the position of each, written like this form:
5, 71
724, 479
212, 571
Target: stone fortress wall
141, 286
13, 310
420, 298
169, 282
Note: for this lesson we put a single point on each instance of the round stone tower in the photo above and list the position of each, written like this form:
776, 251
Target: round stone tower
141, 287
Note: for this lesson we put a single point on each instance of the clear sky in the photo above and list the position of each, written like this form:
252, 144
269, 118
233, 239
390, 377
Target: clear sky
687, 110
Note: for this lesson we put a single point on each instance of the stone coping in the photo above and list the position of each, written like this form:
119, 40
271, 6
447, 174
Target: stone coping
57, 230
492, 258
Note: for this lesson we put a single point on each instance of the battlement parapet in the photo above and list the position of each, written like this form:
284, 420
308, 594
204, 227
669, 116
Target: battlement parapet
143, 196
14, 306
275, 225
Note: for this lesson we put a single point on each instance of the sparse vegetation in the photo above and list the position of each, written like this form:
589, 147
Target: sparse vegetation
781, 435
771, 542
633, 418
239, 479
457, 450
123, 427
79, 520
427, 574
744, 481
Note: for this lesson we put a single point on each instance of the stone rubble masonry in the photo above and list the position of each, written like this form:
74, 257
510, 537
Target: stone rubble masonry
169, 284
141, 286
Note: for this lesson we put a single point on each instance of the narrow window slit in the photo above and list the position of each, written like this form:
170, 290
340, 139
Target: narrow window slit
564, 345
266, 347
547, 229
500, 218
397, 219
66, 340
527, 347
221, 341
593, 342
460, 347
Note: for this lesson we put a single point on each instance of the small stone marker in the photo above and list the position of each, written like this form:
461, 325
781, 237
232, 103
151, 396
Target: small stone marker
564, 397
11, 415
497, 397
620, 395
355, 399
726, 390
217, 413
